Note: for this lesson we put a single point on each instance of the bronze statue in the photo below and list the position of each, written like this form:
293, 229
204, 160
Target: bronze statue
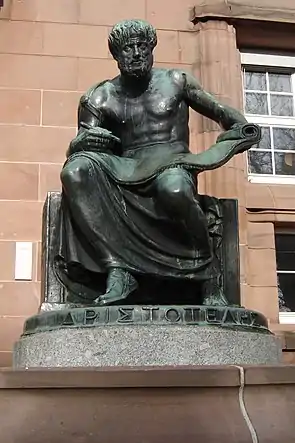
131, 208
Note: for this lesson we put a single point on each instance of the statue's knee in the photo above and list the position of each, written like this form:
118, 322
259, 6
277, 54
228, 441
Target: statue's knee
75, 173
176, 184
175, 193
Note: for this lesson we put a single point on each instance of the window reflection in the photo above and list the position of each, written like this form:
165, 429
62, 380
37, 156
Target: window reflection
260, 162
284, 163
269, 97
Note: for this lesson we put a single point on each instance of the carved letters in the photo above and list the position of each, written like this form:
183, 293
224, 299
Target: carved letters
125, 315
162, 315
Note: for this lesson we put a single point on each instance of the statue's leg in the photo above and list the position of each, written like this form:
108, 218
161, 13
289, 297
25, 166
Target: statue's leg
176, 194
120, 284
176, 191
212, 292
87, 212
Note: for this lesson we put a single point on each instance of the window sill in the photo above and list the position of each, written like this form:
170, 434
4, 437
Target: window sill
272, 179
287, 318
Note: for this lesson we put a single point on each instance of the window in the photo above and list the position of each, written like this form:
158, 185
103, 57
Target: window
269, 100
285, 253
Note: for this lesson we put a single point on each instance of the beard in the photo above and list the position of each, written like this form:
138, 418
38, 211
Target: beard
136, 70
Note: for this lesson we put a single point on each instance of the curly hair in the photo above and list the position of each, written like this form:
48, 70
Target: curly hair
125, 29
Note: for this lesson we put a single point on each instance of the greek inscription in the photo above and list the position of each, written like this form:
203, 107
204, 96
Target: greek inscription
68, 321
244, 318
150, 311
192, 315
189, 315
90, 317
126, 315
172, 315
211, 316
229, 317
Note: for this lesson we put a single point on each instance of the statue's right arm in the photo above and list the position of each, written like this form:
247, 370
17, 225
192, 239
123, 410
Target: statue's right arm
85, 118
92, 131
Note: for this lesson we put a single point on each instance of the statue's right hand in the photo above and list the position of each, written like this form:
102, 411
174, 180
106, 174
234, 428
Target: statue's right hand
92, 138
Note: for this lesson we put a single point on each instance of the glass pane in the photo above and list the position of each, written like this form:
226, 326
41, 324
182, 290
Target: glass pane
282, 302
284, 138
287, 285
286, 261
280, 82
260, 162
285, 163
265, 142
281, 105
256, 103
255, 81
285, 243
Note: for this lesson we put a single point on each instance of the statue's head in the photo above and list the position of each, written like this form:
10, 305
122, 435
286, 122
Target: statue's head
131, 43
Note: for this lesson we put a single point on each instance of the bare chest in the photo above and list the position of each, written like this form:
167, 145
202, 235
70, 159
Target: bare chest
156, 104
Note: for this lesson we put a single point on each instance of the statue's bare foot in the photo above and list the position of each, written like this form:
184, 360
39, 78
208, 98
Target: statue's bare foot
216, 299
120, 284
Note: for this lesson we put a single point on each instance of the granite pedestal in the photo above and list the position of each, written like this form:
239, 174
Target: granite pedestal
146, 336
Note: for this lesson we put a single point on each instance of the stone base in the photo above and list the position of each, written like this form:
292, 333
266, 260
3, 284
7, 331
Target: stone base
145, 346
146, 336
155, 405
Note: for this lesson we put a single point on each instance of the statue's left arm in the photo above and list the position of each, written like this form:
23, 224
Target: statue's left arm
206, 104
238, 137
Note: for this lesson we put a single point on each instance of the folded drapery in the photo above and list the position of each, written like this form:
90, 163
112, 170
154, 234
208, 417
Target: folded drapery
121, 219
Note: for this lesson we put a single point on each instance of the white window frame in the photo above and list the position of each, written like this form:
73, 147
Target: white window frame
268, 61
287, 318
